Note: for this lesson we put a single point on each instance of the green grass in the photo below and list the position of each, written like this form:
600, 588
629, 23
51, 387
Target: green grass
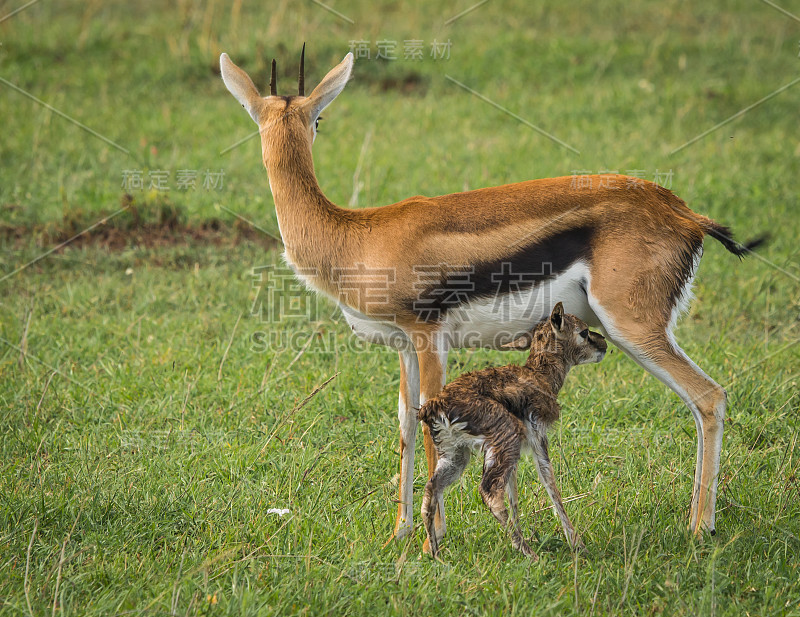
147, 429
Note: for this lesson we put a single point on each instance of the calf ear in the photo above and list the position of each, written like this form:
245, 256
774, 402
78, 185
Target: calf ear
240, 85
522, 342
557, 318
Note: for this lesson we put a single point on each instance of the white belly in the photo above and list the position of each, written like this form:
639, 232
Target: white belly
375, 331
490, 322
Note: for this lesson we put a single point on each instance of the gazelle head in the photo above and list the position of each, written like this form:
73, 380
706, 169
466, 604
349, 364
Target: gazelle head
566, 335
282, 118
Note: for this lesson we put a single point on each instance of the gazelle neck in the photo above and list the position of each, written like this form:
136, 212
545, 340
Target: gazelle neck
307, 219
548, 360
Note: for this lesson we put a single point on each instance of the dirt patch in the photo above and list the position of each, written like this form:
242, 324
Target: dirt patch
408, 84
146, 224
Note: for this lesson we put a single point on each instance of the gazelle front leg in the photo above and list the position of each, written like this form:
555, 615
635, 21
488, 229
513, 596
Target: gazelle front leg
408, 406
432, 359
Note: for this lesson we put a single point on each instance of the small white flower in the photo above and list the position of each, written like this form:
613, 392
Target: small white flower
129, 271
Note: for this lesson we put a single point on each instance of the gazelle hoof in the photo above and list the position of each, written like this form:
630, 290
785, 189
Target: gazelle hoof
700, 530
402, 530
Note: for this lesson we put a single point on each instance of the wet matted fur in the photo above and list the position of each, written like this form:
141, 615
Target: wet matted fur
504, 412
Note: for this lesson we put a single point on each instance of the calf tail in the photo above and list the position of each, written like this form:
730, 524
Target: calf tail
429, 411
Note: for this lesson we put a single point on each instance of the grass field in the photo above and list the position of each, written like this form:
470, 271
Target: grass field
155, 402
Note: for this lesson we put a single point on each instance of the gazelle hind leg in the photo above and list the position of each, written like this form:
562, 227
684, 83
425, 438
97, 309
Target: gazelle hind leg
708, 402
659, 354
638, 302
698, 468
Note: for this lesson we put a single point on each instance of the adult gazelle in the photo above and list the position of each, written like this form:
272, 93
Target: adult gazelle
479, 268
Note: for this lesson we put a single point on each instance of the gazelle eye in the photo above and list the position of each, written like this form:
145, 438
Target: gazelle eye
316, 124
585, 333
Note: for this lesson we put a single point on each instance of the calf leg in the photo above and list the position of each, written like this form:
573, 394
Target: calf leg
513, 504
499, 465
548, 479
449, 467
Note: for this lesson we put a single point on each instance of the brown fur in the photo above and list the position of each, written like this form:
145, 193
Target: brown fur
504, 410
640, 243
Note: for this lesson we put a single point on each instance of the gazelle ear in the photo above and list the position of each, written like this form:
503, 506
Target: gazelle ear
521, 342
557, 318
240, 85
331, 85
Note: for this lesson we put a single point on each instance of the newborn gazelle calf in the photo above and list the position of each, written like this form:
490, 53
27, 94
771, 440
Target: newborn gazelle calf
505, 411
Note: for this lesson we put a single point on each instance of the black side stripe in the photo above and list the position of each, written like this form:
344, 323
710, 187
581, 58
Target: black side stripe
444, 287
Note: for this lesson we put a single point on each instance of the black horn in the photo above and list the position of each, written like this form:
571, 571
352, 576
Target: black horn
272, 81
301, 86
